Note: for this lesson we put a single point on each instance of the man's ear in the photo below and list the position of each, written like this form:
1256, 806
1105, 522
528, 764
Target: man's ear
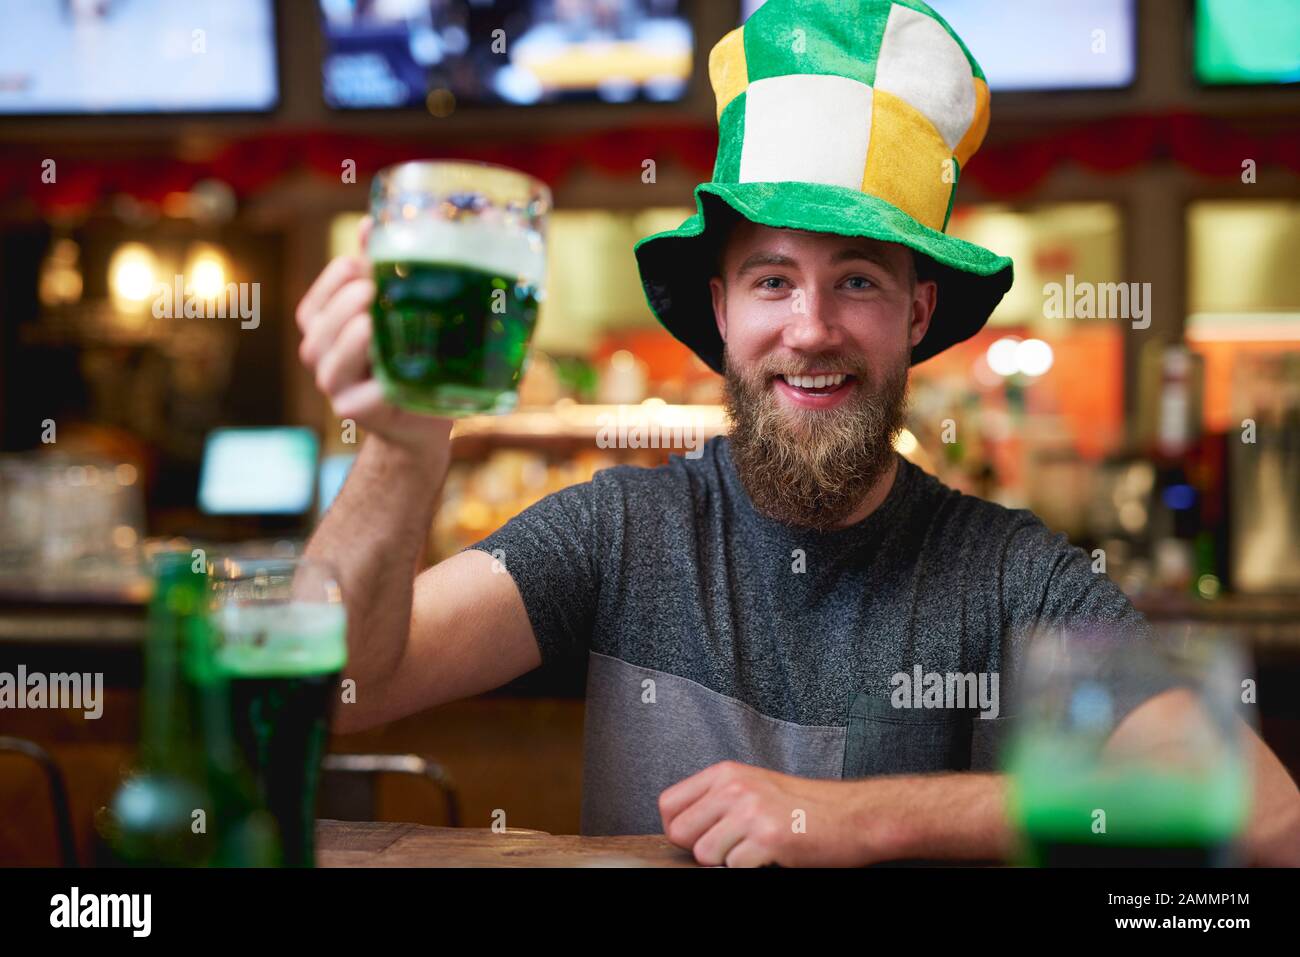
924, 298
718, 290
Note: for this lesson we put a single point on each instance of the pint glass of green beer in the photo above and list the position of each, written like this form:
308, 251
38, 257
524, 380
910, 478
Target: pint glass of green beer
459, 258
279, 629
1088, 790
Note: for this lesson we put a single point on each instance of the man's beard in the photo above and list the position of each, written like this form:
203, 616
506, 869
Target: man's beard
812, 467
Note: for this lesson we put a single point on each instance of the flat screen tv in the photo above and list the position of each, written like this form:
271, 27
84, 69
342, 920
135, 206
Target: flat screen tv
396, 53
137, 56
1247, 41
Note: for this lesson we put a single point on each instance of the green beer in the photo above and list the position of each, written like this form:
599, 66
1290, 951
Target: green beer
1089, 788
459, 260
451, 338
1074, 812
282, 662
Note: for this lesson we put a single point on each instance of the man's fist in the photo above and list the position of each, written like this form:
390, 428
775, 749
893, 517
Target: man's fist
334, 317
742, 816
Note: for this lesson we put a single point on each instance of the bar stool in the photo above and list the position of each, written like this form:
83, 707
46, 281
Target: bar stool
349, 784
58, 792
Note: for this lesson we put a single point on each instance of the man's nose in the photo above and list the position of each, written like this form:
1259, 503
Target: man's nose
812, 326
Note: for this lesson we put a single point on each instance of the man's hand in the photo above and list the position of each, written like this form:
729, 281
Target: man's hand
743, 816
334, 317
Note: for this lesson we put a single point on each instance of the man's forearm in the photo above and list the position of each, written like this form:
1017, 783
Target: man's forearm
953, 816
374, 536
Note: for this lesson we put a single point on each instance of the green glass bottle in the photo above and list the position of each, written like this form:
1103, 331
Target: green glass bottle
189, 803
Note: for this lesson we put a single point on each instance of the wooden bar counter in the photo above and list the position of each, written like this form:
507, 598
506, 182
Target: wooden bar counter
386, 844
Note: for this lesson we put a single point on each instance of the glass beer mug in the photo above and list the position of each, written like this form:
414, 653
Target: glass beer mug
459, 257
1090, 790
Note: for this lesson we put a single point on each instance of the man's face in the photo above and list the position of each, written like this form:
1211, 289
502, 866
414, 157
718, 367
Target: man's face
818, 331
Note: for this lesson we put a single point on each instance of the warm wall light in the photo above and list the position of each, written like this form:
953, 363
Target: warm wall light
132, 275
1010, 355
1001, 356
1033, 357
131, 272
206, 272
60, 277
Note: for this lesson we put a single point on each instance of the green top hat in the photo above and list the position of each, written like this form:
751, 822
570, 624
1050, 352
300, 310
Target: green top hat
852, 117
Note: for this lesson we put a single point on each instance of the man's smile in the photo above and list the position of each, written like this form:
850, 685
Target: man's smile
815, 390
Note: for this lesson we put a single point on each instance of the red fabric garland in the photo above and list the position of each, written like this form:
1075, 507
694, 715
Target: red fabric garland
1210, 147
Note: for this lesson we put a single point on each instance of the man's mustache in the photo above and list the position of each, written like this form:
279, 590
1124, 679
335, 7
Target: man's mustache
838, 364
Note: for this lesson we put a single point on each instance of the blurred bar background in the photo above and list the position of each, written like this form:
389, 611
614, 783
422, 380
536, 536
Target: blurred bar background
1149, 143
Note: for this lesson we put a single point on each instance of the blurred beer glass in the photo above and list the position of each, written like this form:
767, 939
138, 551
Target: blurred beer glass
459, 258
279, 630
1176, 794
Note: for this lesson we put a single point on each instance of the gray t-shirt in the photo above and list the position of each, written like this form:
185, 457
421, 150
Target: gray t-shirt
713, 632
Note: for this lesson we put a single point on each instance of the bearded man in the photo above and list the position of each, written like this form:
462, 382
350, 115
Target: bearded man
745, 615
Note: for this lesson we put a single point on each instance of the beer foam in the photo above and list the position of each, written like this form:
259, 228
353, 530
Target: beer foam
293, 638
472, 244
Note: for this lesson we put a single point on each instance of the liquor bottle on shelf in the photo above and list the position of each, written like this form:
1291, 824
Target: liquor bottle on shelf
1181, 511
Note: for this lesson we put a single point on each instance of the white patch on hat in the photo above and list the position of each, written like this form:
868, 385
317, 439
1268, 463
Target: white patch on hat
807, 128
922, 65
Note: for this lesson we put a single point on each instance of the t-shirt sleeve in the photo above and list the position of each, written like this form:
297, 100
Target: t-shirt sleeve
551, 551
1049, 587
1049, 583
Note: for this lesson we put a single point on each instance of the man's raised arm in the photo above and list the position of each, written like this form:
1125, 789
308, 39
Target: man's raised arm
412, 643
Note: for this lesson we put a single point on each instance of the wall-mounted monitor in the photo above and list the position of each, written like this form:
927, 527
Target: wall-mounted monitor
137, 56
397, 53
260, 471
1247, 41
333, 473
1042, 44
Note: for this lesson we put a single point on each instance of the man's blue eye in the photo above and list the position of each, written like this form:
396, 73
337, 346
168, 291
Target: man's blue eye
768, 282
866, 283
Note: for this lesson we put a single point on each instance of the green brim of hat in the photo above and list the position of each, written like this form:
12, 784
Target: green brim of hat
676, 265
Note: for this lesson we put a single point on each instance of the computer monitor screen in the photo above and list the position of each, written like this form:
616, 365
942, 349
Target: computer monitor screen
265, 471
